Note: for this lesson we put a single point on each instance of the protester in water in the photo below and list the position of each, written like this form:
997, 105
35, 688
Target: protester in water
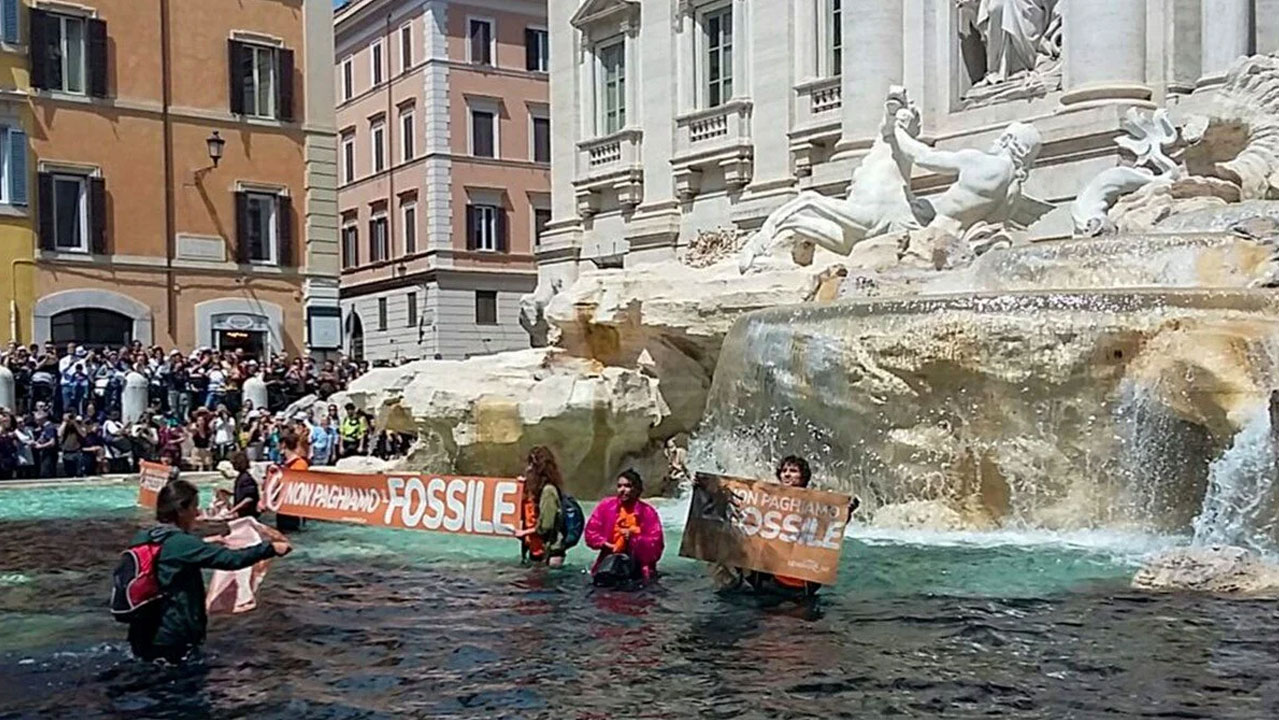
291, 459
628, 534
792, 471
246, 496
540, 530
178, 623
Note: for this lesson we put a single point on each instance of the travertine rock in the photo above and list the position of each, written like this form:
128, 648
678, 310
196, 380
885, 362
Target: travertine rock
481, 416
1218, 569
674, 318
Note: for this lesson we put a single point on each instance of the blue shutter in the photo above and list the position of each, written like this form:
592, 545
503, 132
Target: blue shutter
17, 167
9, 20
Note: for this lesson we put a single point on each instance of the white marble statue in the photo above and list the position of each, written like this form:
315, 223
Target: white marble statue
1149, 138
988, 184
986, 195
533, 312
879, 201
1018, 36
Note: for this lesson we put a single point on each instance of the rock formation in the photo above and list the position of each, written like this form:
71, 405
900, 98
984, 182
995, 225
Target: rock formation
1216, 569
481, 416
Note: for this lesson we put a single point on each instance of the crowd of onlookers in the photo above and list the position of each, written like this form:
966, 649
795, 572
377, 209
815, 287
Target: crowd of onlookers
67, 414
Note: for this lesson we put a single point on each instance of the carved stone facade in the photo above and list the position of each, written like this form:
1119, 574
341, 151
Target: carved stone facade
744, 105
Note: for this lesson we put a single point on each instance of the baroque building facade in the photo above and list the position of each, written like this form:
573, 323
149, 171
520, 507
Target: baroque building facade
672, 118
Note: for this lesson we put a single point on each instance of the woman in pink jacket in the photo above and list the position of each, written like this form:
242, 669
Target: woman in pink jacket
628, 533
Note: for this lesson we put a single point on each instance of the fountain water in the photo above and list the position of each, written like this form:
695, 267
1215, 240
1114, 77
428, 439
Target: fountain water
1056, 409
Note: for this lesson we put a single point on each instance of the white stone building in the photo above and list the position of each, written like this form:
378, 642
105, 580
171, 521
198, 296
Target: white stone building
685, 115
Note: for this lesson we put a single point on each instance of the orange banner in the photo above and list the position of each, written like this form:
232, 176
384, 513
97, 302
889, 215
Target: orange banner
152, 477
412, 501
766, 527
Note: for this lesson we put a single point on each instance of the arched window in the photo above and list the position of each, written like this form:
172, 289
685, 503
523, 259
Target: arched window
355, 336
91, 326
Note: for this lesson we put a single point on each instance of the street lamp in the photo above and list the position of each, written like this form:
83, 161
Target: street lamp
216, 145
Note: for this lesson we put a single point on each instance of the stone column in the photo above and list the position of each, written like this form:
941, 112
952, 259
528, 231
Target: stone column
1226, 27
1105, 49
741, 49
873, 61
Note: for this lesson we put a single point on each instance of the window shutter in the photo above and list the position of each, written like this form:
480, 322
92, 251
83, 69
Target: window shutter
97, 60
284, 88
470, 227
97, 216
44, 199
38, 49
9, 17
242, 228
530, 49
502, 244
17, 167
284, 229
235, 69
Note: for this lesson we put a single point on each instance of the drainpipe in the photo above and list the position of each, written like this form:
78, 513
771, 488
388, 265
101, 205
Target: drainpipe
170, 220
391, 121
13, 295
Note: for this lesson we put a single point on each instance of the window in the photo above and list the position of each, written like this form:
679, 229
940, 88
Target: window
406, 48
481, 42
485, 307
483, 231
541, 139
717, 26
348, 79
408, 213
67, 46
482, 133
13, 166
93, 327
835, 38
348, 157
541, 218
350, 245
68, 53
375, 58
379, 146
259, 81
612, 88
411, 307
70, 213
381, 313
537, 50
379, 243
408, 129
260, 231
9, 21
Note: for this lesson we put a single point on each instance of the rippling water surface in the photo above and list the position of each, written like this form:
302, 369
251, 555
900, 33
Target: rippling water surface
362, 623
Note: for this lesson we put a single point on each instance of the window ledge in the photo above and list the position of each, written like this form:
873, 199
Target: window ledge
70, 97
15, 48
77, 256
7, 210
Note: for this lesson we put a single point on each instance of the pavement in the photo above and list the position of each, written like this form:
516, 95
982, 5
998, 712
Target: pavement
199, 478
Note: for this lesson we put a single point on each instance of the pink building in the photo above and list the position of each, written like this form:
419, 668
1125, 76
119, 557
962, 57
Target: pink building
443, 172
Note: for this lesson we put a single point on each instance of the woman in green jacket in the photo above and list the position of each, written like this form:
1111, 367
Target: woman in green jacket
176, 626
540, 530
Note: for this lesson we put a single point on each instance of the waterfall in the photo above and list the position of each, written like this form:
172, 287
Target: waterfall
1239, 505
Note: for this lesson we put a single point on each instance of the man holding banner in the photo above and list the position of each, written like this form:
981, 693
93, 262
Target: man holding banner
783, 540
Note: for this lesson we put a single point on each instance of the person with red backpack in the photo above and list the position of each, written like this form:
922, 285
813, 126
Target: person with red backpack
159, 587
